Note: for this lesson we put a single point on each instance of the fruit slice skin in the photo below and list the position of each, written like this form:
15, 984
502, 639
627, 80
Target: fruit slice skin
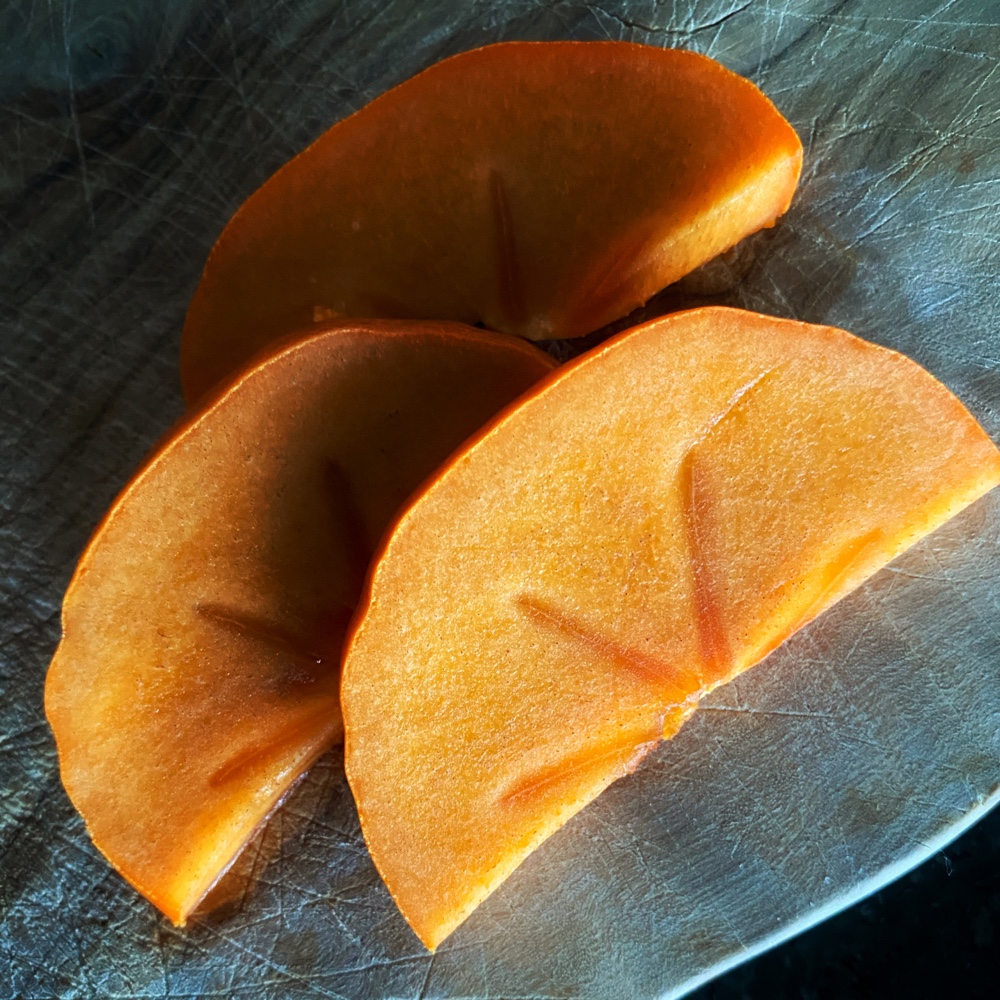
647, 523
540, 188
198, 672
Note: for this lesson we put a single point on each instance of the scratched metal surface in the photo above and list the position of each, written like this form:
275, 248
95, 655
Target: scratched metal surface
130, 131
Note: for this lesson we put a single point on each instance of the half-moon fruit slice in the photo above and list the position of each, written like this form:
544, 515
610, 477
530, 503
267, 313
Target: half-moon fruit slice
540, 188
650, 521
198, 672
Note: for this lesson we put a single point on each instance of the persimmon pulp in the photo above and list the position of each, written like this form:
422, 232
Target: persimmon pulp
197, 676
540, 188
651, 520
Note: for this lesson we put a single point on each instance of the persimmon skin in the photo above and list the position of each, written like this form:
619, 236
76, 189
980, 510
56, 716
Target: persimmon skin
652, 519
198, 671
539, 188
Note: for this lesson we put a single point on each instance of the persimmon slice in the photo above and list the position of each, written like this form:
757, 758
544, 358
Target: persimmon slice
198, 672
650, 521
540, 188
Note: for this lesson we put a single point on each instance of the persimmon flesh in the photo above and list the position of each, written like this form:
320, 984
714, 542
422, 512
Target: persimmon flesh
197, 676
650, 521
540, 188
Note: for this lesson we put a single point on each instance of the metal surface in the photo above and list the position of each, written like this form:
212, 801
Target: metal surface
129, 132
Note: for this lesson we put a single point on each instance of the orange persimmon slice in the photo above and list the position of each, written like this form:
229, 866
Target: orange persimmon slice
198, 672
540, 188
650, 521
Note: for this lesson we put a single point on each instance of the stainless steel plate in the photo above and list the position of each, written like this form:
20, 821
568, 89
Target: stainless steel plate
129, 132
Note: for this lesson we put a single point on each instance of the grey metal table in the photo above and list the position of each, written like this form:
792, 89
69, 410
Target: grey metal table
129, 132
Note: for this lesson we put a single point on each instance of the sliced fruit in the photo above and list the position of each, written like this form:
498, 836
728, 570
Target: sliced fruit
541, 188
198, 670
652, 520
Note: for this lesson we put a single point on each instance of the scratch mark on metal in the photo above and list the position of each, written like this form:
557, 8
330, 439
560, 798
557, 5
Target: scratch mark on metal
74, 113
748, 710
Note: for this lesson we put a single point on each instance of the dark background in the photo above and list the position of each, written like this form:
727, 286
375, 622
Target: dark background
933, 933
129, 132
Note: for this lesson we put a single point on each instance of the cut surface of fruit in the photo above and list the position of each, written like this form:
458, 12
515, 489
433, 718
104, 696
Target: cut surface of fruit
198, 672
650, 521
540, 188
